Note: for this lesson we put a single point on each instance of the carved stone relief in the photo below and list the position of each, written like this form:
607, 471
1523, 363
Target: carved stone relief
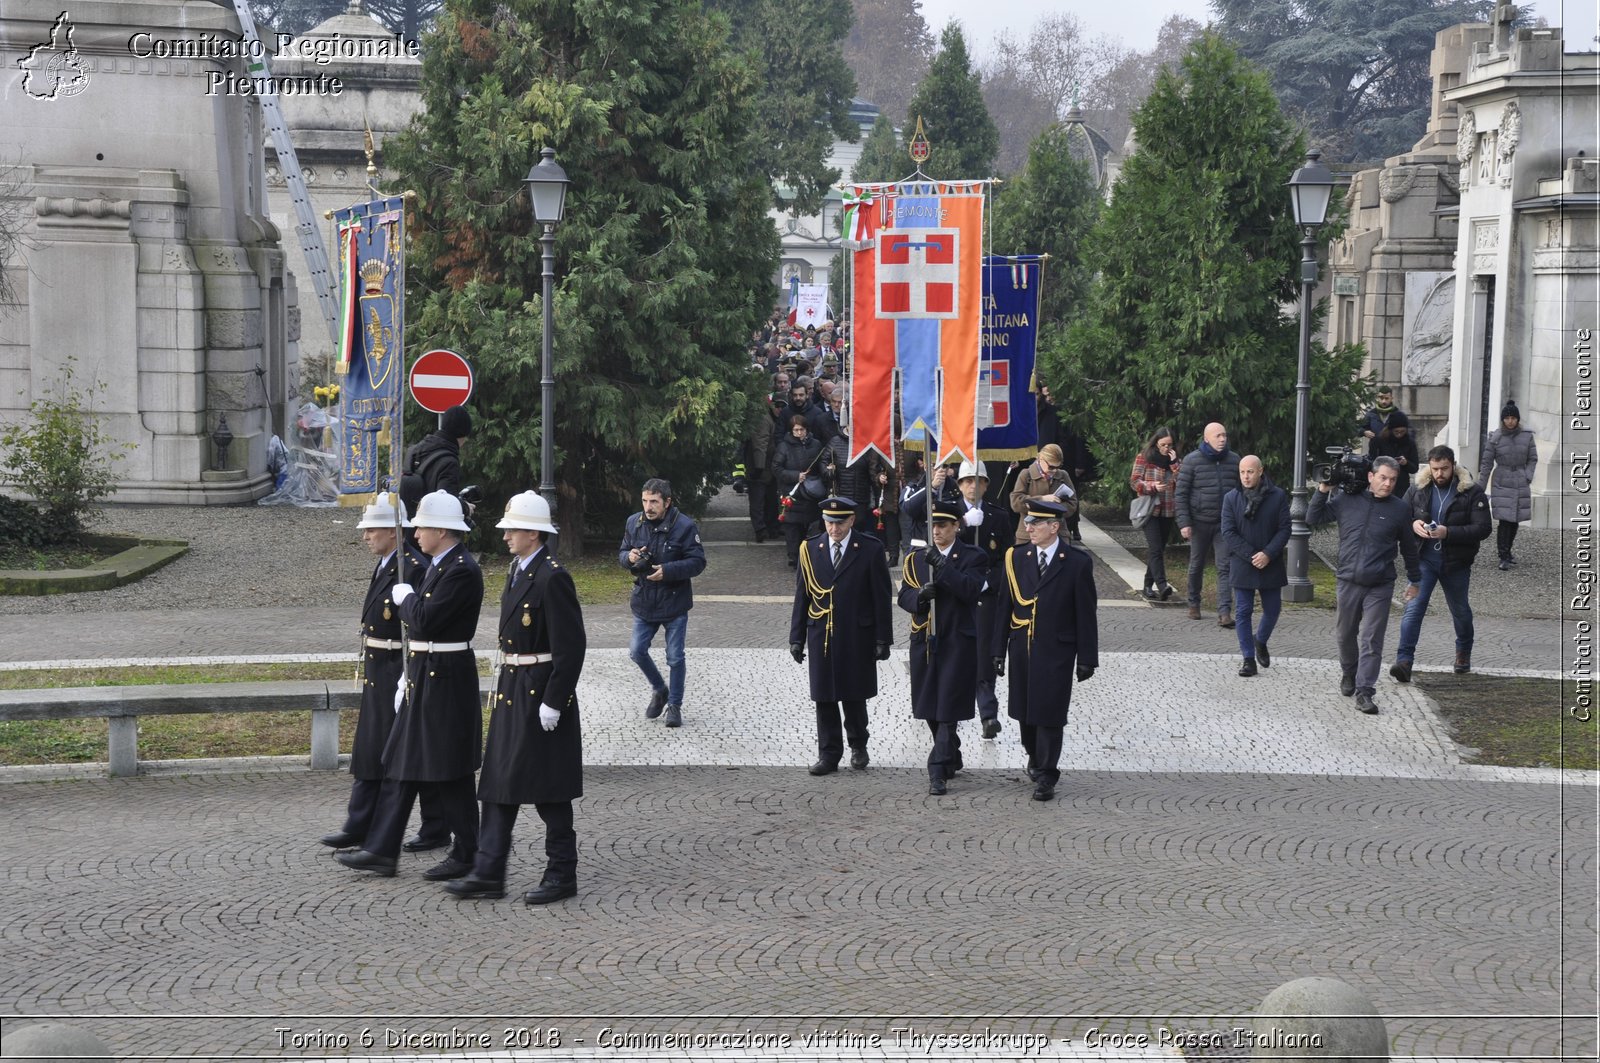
1510, 135
1466, 143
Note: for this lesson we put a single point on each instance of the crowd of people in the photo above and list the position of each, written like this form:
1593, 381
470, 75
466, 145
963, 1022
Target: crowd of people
1428, 513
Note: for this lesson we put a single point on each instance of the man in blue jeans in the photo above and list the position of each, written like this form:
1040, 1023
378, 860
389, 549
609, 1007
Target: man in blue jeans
661, 547
1451, 518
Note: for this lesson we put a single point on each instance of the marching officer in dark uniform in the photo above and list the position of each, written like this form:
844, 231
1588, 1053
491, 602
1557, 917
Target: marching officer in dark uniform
841, 615
437, 739
535, 751
1046, 622
985, 525
381, 667
940, 588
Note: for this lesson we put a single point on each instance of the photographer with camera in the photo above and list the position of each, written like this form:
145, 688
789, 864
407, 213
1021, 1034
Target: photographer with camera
1451, 517
661, 547
1371, 525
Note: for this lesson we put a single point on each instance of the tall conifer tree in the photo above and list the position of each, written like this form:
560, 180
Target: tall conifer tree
950, 103
664, 261
1199, 260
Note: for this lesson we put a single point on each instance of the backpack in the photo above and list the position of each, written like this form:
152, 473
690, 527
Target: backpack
414, 483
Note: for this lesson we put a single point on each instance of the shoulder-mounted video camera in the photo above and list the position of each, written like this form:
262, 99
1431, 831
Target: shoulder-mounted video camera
1348, 473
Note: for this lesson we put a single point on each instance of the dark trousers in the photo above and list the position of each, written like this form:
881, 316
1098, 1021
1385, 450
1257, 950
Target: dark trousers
457, 803
1157, 531
1203, 539
769, 506
560, 842
1043, 745
831, 735
794, 533
944, 760
363, 806
756, 492
1504, 535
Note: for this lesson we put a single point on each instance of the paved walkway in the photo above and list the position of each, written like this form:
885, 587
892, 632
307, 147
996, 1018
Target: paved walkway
1214, 838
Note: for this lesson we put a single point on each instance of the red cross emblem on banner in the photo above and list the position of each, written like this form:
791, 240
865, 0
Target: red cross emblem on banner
917, 273
994, 387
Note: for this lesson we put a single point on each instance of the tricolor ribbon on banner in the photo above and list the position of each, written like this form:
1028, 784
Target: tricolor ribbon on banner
857, 212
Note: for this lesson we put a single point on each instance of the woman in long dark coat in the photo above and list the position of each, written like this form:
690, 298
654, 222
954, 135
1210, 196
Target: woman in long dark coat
796, 457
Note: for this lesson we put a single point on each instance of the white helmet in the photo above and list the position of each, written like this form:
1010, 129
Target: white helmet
528, 511
440, 509
381, 513
969, 468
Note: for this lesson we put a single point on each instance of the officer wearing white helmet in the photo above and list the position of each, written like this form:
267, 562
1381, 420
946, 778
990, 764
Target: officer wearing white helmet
988, 527
535, 751
437, 740
381, 667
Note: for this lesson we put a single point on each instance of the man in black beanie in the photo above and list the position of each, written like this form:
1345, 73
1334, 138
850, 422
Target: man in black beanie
435, 463
1395, 441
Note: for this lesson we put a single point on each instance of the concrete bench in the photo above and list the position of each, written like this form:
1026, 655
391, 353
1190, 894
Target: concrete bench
122, 707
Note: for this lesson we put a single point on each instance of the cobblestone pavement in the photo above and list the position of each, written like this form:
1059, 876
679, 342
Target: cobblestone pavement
1214, 838
714, 896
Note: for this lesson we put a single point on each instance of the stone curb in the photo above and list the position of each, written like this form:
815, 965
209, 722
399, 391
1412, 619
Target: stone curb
139, 559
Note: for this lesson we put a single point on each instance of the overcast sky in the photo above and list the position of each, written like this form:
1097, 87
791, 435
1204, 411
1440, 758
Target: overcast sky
1135, 22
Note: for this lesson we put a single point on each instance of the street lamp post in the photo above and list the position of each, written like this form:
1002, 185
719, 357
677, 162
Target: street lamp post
547, 193
1310, 189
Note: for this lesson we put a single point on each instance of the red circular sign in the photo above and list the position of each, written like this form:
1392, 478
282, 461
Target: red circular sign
440, 380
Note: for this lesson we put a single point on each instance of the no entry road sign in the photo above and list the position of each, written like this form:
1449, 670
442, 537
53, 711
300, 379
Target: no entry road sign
440, 380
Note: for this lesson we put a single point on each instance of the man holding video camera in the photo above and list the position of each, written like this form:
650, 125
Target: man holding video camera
1371, 524
661, 547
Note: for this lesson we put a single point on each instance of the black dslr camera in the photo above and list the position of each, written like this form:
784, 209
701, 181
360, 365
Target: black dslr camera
646, 562
470, 496
1348, 473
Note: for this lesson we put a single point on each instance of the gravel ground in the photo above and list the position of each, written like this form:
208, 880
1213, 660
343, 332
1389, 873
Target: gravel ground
239, 556
1534, 588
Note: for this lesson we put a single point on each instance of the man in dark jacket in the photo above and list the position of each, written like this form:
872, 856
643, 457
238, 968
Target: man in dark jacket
1207, 474
1255, 530
1395, 442
841, 616
1451, 518
1371, 525
1376, 420
436, 742
661, 547
435, 463
941, 585
535, 750
1046, 620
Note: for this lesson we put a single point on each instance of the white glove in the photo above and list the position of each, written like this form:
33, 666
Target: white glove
402, 591
548, 717
973, 518
399, 695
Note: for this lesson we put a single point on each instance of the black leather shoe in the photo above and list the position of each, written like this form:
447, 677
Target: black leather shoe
991, 727
956, 766
548, 892
473, 886
1150, 594
936, 787
361, 860
1262, 656
1401, 670
1248, 668
419, 844
825, 767
674, 716
1347, 685
449, 867
1044, 791
859, 759
1166, 591
658, 701
1365, 703
340, 839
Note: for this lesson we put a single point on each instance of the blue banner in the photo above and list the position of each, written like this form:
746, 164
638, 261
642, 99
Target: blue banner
372, 304
1008, 426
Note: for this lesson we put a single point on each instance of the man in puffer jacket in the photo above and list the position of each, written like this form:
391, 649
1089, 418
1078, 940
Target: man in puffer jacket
1371, 524
1205, 477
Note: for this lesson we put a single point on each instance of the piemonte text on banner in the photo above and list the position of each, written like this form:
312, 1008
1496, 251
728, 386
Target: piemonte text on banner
917, 307
371, 353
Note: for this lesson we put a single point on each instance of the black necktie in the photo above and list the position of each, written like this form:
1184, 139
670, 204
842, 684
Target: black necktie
837, 551
1044, 561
